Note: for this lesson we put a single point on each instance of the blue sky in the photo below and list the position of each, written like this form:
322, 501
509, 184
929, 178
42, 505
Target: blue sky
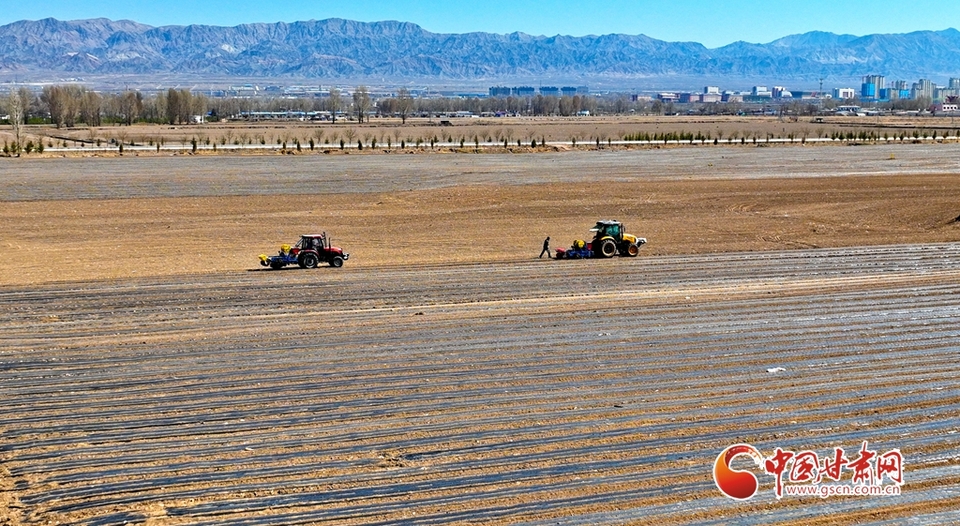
714, 23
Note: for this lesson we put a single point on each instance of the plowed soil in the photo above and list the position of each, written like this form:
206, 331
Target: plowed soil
152, 373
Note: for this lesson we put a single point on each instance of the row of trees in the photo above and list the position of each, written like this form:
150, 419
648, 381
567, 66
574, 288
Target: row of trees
69, 105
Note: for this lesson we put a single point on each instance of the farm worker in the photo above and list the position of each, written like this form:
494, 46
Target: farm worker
546, 248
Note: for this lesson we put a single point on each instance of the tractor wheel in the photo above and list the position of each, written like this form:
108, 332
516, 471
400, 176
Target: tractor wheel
309, 261
276, 265
337, 261
633, 250
608, 248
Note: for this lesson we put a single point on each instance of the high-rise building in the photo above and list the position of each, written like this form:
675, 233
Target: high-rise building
871, 86
953, 89
899, 89
924, 88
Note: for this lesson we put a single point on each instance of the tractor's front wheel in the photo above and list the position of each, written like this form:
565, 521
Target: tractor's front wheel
337, 261
633, 250
608, 248
276, 265
309, 261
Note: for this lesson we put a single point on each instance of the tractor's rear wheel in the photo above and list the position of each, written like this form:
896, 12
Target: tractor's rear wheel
608, 248
337, 261
633, 250
309, 261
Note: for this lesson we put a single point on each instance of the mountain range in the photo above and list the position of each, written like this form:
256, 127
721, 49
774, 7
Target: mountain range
401, 51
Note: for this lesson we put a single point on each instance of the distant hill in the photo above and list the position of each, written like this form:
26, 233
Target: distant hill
344, 49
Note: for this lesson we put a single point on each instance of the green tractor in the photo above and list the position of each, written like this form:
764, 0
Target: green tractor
610, 239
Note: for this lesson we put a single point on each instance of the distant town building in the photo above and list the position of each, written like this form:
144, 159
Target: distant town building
870, 87
899, 89
761, 91
804, 95
731, 96
528, 91
953, 88
844, 93
850, 110
924, 88
779, 92
946, 107
711, 90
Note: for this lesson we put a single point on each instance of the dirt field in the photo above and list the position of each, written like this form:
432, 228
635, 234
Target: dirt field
151, 373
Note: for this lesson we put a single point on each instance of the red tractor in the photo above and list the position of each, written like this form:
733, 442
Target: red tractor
310, 251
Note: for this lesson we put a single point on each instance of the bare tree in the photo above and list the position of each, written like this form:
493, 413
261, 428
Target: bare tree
336, 101
55, 97
172, 106
64, 103
197, 106
18, 106
404, 104
130, 106
361, 100
91, 107
185, 106
350, 133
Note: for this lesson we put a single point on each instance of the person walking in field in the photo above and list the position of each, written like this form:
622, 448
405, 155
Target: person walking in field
546, 249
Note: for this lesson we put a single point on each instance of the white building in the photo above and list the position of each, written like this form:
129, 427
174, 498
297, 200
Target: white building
779, 92
844, 93
851, 111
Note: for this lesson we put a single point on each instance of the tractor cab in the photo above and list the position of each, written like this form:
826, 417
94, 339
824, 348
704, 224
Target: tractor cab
315, 242
612, 229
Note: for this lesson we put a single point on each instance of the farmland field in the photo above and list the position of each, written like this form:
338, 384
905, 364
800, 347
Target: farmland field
152, 373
